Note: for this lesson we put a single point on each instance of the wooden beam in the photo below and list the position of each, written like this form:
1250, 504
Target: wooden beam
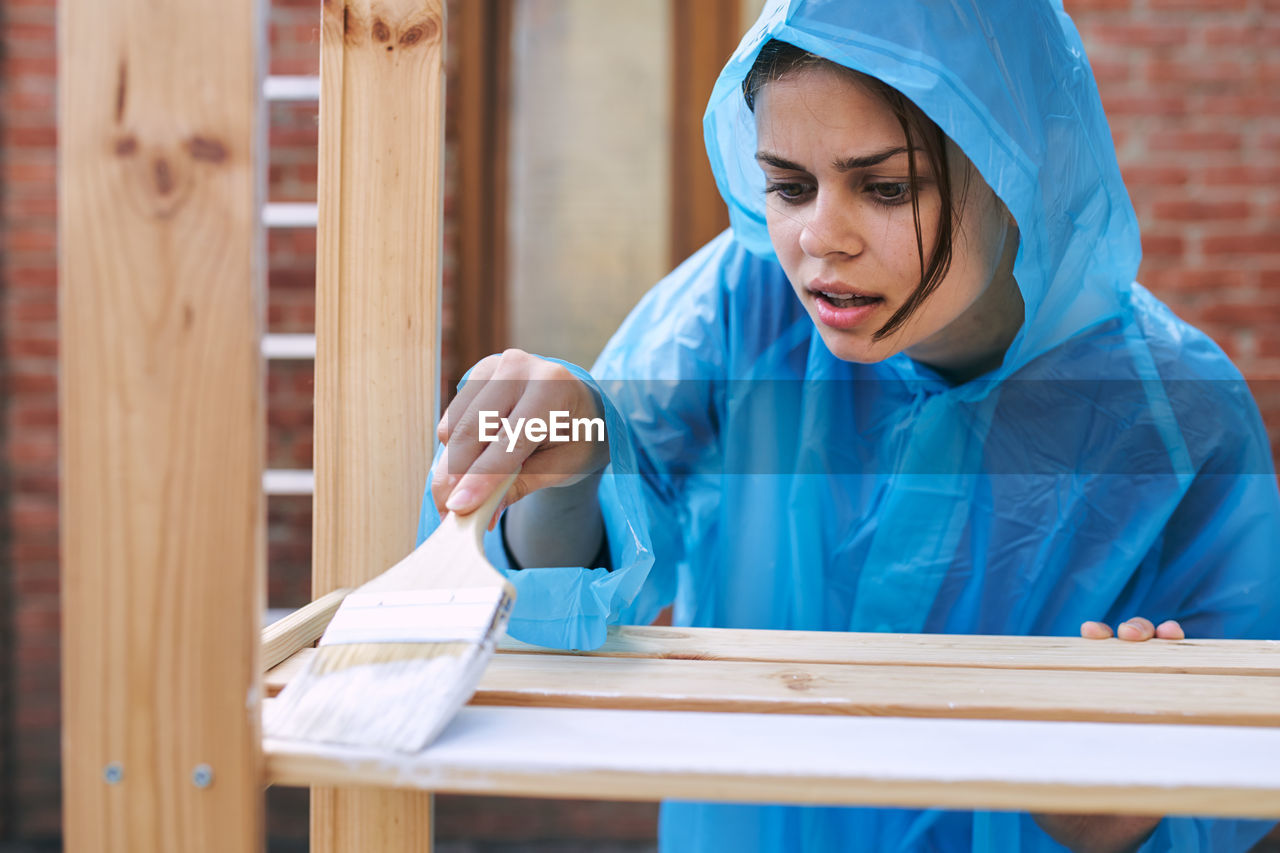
959, 764
377, 332
301, 628
161, 273
1203, 657
481, 108
704, 34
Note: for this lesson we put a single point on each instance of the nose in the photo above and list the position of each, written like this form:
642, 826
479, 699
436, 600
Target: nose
831, 227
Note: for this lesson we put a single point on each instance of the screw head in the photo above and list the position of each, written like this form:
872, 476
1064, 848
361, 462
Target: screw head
202, 776
113, 773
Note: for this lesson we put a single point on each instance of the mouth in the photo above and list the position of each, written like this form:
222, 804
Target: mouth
845, 300
840, 295
842, 307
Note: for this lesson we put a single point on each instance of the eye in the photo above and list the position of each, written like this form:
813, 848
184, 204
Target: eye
890, 193
791, 193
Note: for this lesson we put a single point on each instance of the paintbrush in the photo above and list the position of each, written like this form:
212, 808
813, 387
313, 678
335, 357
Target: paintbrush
406, 650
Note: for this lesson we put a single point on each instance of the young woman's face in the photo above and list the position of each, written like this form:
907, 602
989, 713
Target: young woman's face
840, 218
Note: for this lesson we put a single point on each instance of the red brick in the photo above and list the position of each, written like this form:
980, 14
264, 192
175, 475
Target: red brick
1195, 140
1260, 105
33, 277
1199, 5
1247, 315
30, 239
1190, 210
1242, 174
32, 552
1264, 243
1182, 280
1199, 73
30, 451
1126, 34
1153, 245
1155, 176
1231, 34
36, 347
29, 311
1075, 7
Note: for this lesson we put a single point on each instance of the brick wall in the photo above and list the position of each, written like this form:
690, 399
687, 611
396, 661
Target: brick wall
1191, 88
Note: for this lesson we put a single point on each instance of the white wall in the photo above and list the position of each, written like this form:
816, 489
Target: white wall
589, 169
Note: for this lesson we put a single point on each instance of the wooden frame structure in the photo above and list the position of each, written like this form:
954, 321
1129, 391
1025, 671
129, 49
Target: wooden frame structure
161, 393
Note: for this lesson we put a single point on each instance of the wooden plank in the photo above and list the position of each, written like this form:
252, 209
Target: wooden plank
957, 764
377, 331
161, 268
913, 691
301, 628
882, 690
1206, 657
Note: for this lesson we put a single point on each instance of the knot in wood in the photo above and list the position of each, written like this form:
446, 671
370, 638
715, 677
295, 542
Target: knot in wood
800, 681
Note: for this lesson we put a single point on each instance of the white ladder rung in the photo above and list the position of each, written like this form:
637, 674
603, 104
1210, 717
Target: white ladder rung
288, 214
277, 481
292, 87
289, 346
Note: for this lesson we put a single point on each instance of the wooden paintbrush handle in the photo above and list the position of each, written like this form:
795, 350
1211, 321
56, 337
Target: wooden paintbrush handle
476, 522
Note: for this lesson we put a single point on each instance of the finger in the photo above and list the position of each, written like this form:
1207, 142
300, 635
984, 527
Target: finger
476, 380
1095, 631
497, 461
1136, 630
1170, 630
441, 482
495, 400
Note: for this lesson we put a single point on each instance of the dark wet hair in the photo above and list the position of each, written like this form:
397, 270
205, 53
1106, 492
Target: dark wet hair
779, 58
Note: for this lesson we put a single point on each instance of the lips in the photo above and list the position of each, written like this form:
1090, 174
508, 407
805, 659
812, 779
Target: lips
840, 306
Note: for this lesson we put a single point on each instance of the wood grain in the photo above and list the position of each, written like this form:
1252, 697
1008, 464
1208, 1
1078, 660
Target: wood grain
296, 630
161, 278
377, 331
881, 690
1205, 657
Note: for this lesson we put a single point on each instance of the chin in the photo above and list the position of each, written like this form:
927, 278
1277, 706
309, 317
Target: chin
856, 349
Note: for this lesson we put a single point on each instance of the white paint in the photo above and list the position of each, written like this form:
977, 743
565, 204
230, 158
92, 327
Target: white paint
415, 616
396, 706
560, 740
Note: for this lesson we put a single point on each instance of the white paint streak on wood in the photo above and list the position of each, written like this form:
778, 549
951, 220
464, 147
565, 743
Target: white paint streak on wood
849, 760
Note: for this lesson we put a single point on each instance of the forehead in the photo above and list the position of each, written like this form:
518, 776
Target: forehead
824, 104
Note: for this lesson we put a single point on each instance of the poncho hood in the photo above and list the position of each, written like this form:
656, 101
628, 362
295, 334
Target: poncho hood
1009, 83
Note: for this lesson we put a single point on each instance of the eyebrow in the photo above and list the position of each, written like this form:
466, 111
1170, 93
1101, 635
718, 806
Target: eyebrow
847, 164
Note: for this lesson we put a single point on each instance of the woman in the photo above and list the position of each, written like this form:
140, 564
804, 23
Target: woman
914, 388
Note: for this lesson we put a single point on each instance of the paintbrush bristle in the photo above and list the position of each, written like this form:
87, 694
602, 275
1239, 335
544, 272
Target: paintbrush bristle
395, 696
405, 650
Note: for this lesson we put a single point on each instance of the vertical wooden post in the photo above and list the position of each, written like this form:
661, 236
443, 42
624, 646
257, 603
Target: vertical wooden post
377, 332
482, 71
161, 386
703, 36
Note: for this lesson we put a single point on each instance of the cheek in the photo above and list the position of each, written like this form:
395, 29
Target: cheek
784, 234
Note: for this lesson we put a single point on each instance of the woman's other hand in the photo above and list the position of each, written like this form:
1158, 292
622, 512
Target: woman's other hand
1136, 630
503, 389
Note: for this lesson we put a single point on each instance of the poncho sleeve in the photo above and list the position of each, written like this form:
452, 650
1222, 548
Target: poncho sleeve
657, 381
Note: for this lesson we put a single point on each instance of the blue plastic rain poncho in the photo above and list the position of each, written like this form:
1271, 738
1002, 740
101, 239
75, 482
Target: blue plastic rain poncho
1115, 465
